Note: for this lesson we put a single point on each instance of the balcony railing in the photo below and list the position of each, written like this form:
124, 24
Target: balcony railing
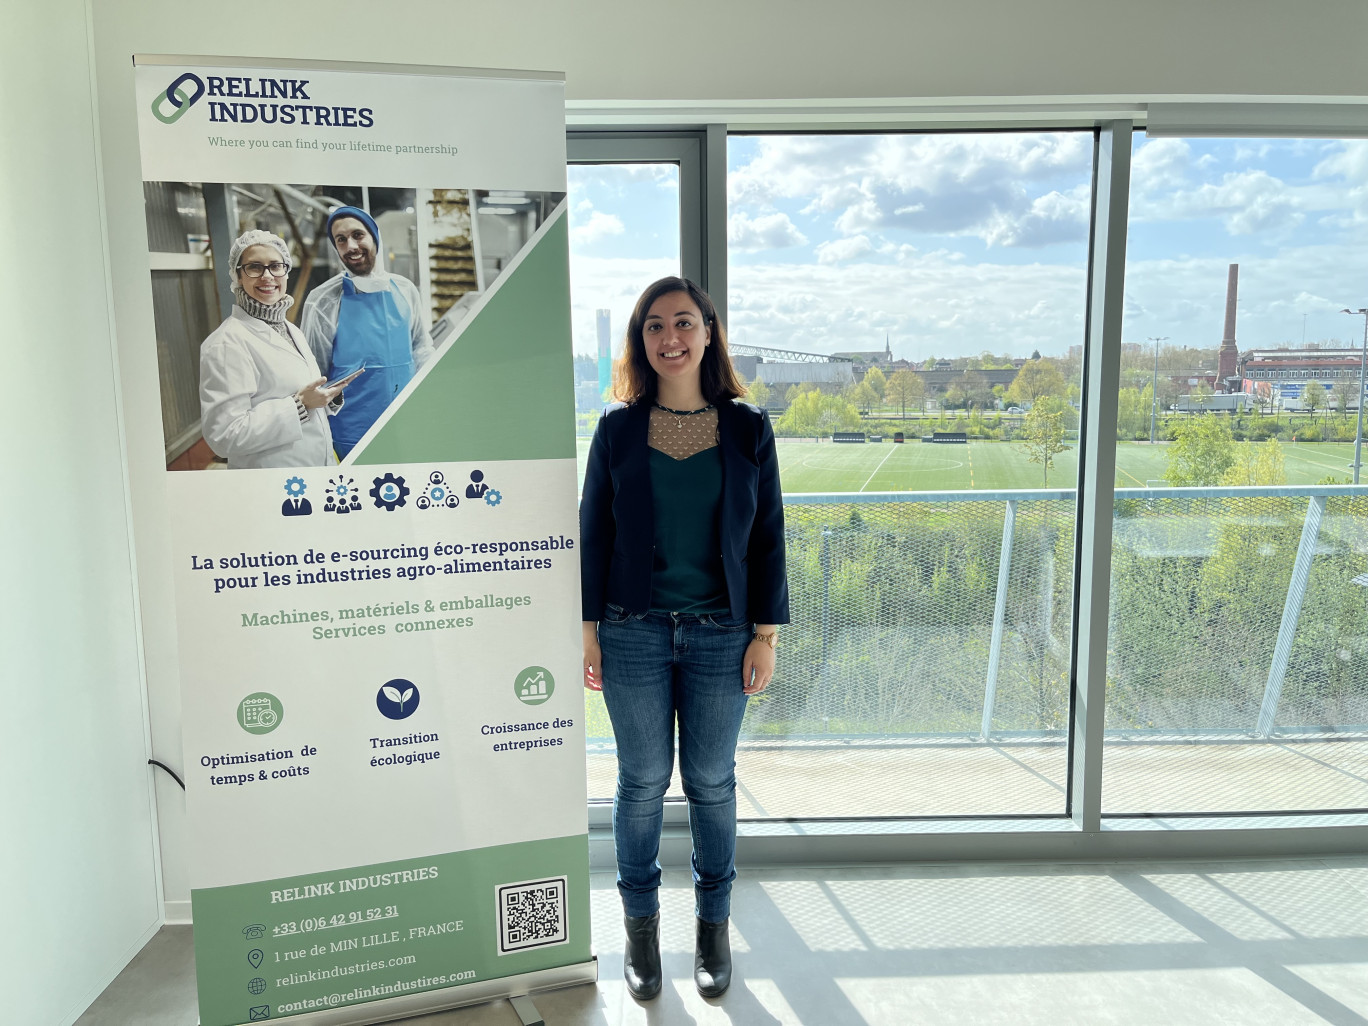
928, 625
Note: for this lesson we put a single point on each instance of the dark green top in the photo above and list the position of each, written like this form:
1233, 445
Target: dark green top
687, 574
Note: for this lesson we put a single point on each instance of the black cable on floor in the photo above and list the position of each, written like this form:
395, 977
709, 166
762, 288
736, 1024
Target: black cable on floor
154, 762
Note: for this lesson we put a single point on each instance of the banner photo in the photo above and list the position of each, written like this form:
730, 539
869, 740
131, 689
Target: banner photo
361, 297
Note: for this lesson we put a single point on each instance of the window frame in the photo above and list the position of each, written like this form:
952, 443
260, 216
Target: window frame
596, 136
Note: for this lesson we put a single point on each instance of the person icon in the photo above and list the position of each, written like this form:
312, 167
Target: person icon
477, 486
295, 505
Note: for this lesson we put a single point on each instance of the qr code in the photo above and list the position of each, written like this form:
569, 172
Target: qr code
531, 914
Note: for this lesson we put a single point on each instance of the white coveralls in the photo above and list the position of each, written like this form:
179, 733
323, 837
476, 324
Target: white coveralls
248, 377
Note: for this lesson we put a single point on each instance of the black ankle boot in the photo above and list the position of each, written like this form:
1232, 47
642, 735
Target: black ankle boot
641, 963
712, 959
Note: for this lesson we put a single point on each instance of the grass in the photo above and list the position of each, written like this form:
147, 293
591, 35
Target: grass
806, 466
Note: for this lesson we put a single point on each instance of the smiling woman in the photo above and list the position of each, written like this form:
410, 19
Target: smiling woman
263, 401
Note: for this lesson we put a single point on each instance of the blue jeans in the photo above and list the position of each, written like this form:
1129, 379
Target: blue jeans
659, 668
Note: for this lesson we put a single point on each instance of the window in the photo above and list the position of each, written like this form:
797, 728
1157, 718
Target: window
912, 308
625, 232
1238, 669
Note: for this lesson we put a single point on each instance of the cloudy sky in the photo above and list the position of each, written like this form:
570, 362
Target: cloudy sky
950, 244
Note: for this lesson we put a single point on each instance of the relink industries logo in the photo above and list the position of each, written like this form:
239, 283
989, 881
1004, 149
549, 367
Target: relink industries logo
247, 100
178, 98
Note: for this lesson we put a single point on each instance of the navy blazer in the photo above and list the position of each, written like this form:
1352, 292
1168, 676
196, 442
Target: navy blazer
617, 516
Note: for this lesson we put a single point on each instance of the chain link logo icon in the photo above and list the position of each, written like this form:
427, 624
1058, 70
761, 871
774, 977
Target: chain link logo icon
177, 97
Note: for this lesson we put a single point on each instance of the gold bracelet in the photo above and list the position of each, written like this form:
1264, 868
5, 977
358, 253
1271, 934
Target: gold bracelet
771, 639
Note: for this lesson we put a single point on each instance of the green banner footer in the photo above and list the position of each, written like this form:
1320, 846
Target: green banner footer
269, 950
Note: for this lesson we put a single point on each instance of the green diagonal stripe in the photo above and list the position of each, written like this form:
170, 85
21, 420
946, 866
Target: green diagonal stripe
503, 389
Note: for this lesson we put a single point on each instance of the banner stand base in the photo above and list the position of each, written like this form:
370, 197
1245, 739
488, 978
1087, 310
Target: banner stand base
527, 1011
515, 988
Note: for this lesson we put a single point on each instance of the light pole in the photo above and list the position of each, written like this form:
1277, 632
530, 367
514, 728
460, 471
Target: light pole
1363, 367
1154, 398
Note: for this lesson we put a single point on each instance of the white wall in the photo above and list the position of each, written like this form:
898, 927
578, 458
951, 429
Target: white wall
78, 856
80, 878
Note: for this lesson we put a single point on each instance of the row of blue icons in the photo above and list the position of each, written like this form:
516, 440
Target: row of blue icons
388, 493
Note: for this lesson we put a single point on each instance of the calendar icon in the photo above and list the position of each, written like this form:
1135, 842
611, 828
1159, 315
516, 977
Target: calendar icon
260, 713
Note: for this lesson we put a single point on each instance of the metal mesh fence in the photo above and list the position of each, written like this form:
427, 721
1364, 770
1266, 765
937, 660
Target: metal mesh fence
886, 675
1238, 651
911, 684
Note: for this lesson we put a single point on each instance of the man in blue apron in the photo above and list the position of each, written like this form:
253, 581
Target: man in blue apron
367, 318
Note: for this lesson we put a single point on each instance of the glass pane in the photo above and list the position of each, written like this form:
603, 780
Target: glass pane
912, 308
1238, 651
624, 234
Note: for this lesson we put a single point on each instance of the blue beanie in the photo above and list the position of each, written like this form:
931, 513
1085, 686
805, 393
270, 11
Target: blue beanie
361, 216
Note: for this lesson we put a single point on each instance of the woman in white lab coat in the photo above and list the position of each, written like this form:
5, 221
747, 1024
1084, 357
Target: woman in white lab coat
263, 402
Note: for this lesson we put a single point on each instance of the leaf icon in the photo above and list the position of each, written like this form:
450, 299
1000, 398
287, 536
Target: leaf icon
393, 694
406, 695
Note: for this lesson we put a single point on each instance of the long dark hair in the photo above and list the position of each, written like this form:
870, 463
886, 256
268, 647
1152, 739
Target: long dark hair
633, 378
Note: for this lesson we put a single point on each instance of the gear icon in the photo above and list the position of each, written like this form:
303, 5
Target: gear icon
389, 492
294, 487
492, 497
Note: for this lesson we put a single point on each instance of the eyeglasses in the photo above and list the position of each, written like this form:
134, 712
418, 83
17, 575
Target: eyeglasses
278, 269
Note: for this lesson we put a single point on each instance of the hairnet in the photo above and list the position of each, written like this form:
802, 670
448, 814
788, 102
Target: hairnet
254, 237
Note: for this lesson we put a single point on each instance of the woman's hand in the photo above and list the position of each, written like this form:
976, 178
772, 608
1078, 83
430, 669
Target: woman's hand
593, 657
757, 669
314, 395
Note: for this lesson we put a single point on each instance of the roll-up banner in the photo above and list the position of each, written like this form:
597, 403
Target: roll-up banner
377, 585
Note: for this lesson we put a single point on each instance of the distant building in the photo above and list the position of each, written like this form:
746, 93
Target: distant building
786, 374
605, 348
1287, 371
874, 356
943, 375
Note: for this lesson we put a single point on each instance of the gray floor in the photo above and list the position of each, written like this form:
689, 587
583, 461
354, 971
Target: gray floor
1279, 943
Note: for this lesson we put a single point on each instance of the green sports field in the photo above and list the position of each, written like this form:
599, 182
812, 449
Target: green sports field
807, 466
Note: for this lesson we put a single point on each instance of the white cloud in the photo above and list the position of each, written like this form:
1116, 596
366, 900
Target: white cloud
954, 184
837, 250
1160, 164
599, 226
617, 177
1247, 202
768, 231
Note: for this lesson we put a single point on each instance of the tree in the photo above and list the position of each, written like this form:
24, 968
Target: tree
1201, 392
758, 392
813, 414
1042, 435
876, 380
1313, 398
794, 391
863, 395
1133, 412
1035, 379
1202, 451
978, 392
1346, 395
1256, 465
1264, 399
904, 387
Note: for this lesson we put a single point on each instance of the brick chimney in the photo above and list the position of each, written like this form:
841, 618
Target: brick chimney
1228, 357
